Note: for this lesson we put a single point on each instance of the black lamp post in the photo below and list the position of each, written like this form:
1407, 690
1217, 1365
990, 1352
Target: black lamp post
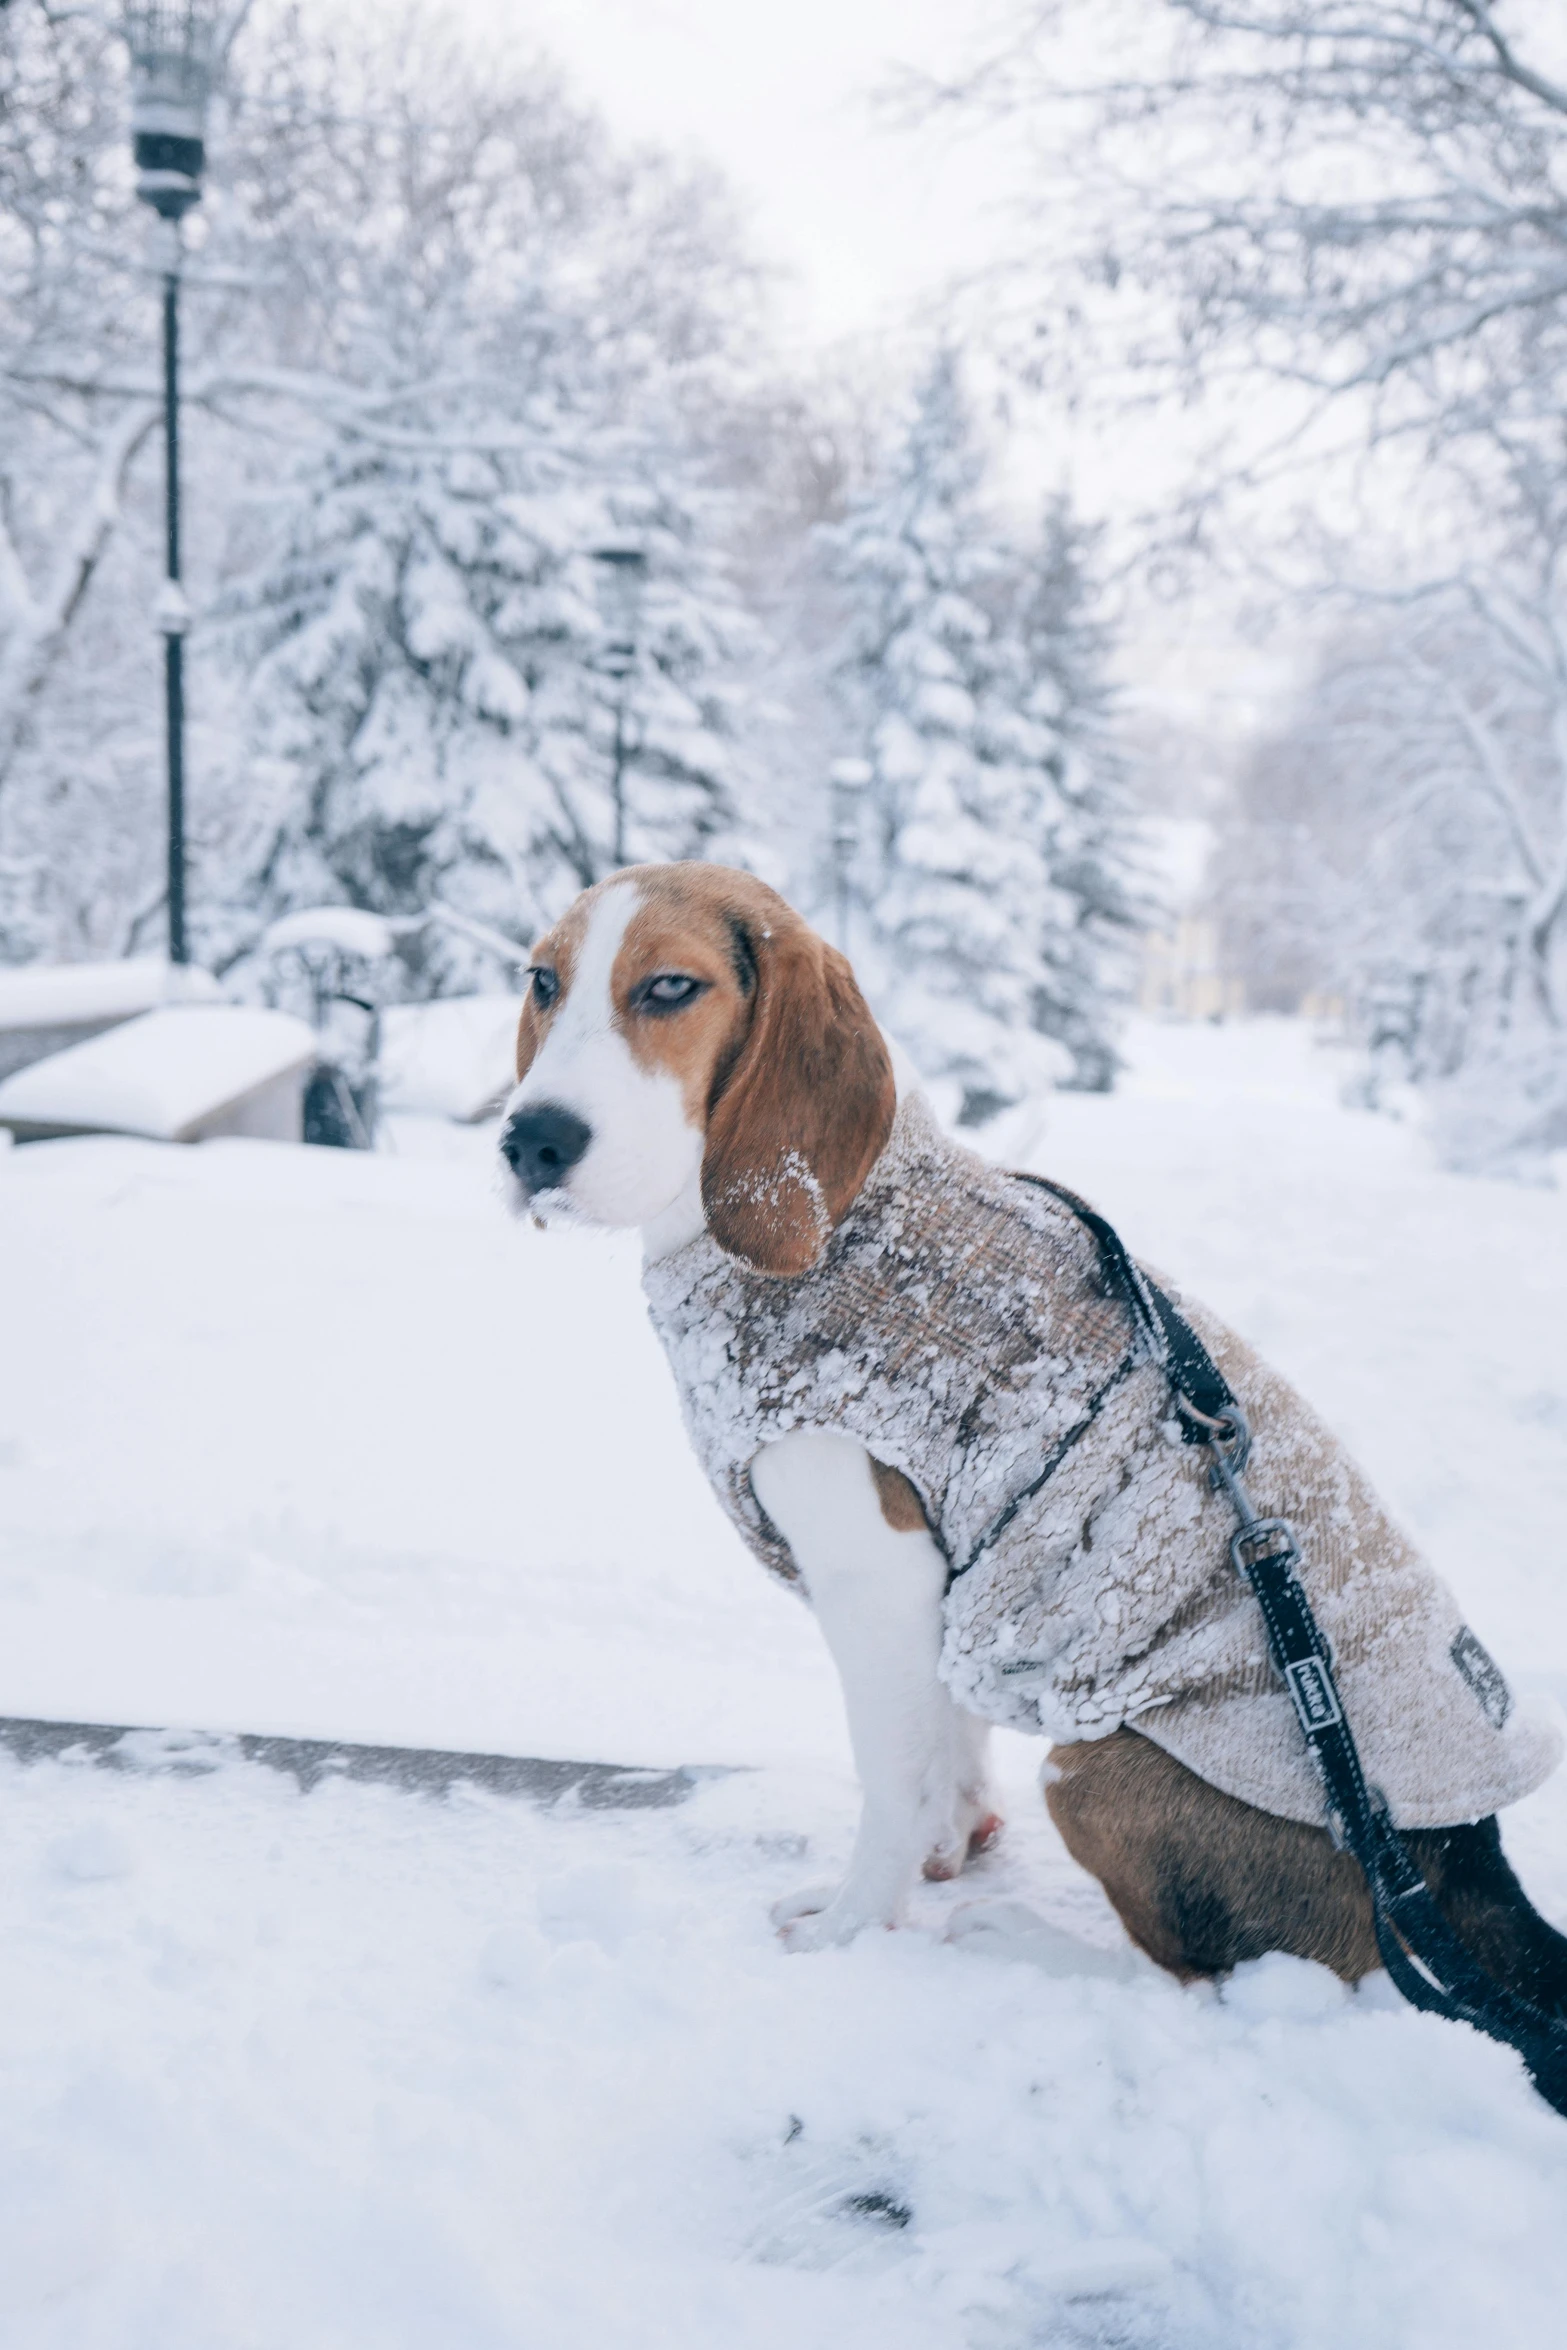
171, 45
624, 573
851, 779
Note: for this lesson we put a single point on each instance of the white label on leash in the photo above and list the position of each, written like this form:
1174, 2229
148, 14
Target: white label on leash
1316, 1701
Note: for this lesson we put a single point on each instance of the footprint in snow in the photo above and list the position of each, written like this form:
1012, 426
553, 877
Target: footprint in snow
1010, 1929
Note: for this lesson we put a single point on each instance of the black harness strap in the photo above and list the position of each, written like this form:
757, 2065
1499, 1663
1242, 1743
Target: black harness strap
1052, 1461
1160, 1336
1422, 1954
1169, 1337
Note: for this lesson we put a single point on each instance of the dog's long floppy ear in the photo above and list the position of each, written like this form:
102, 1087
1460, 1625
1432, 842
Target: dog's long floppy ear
802, 1111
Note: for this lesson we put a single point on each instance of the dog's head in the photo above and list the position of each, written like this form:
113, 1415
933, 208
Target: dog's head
682, 1025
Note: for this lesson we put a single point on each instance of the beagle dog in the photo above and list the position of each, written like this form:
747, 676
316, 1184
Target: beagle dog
692, 1059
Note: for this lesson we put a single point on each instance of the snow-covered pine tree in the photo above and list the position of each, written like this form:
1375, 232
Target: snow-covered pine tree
435, 710
438, 716
1061, 646
985, 842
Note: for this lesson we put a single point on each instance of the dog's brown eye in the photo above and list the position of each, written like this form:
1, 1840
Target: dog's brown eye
546, 985
667, 990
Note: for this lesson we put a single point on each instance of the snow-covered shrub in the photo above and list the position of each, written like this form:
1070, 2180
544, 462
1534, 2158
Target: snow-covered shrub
1503, 1115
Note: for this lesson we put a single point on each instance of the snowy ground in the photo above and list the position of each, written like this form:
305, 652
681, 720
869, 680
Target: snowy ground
304, 1443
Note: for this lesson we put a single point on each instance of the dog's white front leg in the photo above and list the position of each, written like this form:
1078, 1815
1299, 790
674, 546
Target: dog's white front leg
877, 1594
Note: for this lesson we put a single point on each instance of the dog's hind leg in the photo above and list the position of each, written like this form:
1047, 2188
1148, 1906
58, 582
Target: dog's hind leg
972, 1824
1202, 1881
1199, 1879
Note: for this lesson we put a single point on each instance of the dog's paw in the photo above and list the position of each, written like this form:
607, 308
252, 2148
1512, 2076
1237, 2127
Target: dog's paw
973, 1831
810, 1901
829, 1929
823, 1917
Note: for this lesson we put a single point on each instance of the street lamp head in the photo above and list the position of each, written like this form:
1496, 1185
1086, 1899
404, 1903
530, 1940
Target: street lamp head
171, 44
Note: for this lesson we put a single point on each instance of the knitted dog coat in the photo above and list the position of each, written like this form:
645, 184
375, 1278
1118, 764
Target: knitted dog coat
957, 1326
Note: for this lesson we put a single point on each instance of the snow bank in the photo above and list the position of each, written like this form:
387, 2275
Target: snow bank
325, 1443
451, 1059
169, 1074
362, 2070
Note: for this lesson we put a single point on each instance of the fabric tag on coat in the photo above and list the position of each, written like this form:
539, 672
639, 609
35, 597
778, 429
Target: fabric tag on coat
1484, 1676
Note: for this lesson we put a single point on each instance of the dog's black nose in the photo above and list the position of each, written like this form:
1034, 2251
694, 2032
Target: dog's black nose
542, 1146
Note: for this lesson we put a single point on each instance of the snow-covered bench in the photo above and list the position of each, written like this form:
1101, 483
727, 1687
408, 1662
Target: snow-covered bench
46, 1007
181, 1074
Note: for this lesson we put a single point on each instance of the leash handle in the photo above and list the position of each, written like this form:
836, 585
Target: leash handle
1425, 1959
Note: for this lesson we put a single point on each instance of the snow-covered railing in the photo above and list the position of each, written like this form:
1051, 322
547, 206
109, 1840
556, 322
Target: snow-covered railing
46, 1007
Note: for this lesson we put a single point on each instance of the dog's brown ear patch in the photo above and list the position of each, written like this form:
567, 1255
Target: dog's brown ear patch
528, 1038
801, 1112
557, 950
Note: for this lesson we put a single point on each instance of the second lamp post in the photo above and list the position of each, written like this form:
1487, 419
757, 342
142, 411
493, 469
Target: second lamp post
624, 574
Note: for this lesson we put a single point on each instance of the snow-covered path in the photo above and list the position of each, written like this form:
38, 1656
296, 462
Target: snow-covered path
297, 1442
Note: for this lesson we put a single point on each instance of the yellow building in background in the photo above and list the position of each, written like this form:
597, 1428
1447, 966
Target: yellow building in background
1181, 977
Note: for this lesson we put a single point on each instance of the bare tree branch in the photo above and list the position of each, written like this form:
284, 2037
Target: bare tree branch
1553, 94
35, 641
1493, 774
1363, 199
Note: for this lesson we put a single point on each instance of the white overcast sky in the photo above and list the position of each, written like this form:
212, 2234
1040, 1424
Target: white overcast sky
866, 220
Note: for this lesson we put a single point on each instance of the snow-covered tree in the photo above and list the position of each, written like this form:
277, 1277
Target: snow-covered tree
968, 687
421, 280
1353, 207
1402, 839
73, 424
1060, 648
437, 712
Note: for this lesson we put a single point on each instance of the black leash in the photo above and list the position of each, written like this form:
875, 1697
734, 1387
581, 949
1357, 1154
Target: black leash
1422, 1954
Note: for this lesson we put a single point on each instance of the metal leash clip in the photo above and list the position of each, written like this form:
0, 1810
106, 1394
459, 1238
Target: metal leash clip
1228, 1439
1264, 1549
1257, 1542
1264, 1542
